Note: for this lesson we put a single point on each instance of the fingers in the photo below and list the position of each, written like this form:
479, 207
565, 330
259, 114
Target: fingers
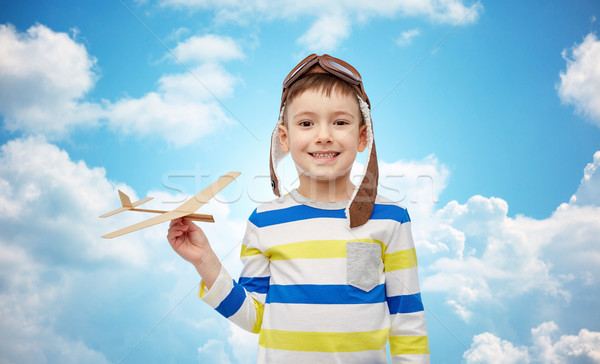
190, 225
176, 229
176, 221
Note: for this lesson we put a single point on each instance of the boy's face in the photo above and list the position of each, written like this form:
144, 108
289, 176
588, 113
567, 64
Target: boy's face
323, 135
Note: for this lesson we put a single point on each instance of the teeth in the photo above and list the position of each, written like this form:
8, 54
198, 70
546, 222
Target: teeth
324, 155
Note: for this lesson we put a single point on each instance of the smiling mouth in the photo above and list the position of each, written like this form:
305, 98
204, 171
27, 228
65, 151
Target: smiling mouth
325, 155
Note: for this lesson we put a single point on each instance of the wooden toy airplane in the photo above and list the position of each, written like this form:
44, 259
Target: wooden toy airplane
185, 210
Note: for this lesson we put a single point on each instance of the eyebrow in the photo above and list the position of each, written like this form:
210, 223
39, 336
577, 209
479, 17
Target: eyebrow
345, 113
310, 113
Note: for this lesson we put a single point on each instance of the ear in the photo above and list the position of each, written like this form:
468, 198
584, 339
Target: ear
284, 140
362, 138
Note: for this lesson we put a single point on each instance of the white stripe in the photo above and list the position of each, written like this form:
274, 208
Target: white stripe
245, 317
411, 359
327, 318
255, 266
309, 271
401, 282
402, 239
312, 357
323, 229
409, 324
219, 290
278, 203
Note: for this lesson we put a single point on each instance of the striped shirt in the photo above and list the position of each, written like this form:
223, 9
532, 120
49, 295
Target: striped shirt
319, 292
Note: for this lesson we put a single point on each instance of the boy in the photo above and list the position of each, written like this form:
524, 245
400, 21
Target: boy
330, 269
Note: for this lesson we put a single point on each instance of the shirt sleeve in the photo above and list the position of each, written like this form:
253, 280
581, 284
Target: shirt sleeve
408, 334
242, 302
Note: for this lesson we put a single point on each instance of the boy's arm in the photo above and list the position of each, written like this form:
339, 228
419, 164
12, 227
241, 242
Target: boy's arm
242, 302
190, 242
408, 333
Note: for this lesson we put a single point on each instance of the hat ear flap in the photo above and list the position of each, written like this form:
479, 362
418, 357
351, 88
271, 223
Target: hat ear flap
277, 154
363, 200
274, 180
362, 204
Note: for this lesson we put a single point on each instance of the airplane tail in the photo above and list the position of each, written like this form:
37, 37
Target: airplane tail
126, 203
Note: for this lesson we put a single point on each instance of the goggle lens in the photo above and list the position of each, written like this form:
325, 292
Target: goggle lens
339, 67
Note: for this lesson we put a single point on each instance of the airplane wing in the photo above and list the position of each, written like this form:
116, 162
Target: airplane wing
167, 216
190, 206
114, 212
144, 200
186, 208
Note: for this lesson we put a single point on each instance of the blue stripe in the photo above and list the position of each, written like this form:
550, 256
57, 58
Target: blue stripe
234, 300
255, 284
294, 213
303, 212
324, 294
390, 212
405, 303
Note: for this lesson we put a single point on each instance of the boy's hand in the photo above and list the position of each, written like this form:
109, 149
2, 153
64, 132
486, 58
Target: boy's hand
189, 241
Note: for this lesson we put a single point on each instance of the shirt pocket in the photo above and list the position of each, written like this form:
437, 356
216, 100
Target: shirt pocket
363, 265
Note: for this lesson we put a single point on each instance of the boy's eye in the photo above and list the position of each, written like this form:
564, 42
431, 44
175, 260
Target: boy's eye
341, 122
305, 123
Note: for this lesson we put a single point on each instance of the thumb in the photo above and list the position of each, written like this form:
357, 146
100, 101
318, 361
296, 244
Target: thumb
191, 226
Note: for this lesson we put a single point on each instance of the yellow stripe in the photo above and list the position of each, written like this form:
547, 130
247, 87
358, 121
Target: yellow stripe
402, 345
260, 308
314, 249
330, 342
246, 252
202, 291
402, 259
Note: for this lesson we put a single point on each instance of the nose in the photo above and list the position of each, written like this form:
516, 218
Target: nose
324, 135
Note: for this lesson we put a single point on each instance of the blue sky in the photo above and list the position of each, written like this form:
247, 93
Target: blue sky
487, 122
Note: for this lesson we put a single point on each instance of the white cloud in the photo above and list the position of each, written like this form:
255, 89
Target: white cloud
44, 76
186, 106
208, 48
493, 257
213, 351
580, 83
487, 348
460, 310
449, 11
244, 344
479, 254
156, 115
63, 198
326, 33
413, 183
407, 36
547, 348
588, 192
334, 19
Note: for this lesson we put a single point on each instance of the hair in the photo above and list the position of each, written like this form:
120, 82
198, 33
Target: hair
323, 82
